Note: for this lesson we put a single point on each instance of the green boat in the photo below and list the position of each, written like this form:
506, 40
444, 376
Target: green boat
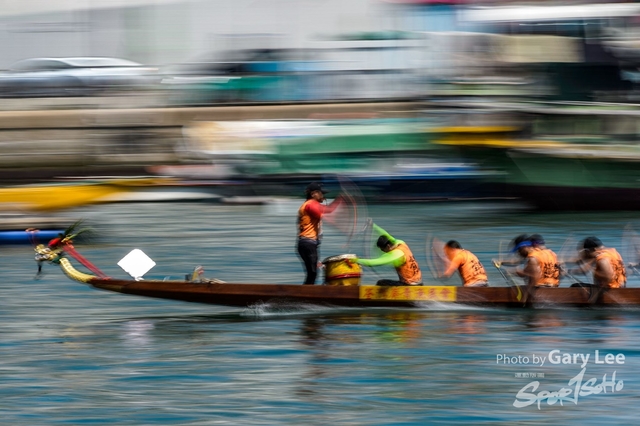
567, 157
386, 158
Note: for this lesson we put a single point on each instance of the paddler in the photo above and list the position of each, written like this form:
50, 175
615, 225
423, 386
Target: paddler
541, 267
605, 262
310, 228
547, 260
466, 263
397, 253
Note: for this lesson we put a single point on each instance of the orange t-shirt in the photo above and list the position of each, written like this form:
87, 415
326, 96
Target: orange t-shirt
549, 267
310, 220
310, 217
470, 269
619, 279
409, 271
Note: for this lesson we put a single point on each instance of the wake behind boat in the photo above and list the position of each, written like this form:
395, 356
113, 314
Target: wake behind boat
195, 288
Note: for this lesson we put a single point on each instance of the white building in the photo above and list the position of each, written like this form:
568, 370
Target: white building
169, 31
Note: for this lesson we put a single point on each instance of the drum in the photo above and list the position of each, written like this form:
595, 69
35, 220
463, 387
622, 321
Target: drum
338, 272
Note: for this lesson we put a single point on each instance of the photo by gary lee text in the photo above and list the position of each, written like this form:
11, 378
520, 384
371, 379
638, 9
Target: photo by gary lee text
557, 357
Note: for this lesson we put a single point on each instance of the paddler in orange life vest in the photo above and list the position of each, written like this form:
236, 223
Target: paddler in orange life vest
541, 268
548, 261
466, 263
397, 253
310, 228
606, 263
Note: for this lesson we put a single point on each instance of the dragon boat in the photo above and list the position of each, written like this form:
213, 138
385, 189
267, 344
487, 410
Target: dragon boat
341, 288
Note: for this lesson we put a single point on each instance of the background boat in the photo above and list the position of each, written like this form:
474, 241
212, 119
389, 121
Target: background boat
389, 159
559, 156
26, 237
13, 227
71, 193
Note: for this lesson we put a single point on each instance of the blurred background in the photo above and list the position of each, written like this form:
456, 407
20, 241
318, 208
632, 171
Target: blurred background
411, 100
473, 120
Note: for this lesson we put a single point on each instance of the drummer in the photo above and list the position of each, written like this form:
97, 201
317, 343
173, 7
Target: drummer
310, 228
397, 253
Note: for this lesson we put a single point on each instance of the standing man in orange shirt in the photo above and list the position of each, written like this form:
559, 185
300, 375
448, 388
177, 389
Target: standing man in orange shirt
466, 263
310, 228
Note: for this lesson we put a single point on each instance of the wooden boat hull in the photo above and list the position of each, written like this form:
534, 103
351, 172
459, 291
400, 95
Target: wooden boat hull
244, 295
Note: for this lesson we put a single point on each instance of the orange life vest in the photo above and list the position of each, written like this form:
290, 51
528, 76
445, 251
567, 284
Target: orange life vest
471, 270
409, 271
619, 279
549, 267
308, 226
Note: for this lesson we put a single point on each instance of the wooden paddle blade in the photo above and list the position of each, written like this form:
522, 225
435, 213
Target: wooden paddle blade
568, 252
369, 238
343, 217
501, 246
505, 255
352, 217
630, 246
429, 256
435, 256
567, 258
519, 293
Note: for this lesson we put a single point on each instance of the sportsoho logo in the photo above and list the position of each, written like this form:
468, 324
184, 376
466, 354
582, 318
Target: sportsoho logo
579, 386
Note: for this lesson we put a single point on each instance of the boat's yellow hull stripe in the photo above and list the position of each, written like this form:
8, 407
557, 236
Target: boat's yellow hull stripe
409, 293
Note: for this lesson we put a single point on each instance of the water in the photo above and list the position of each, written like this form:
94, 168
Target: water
76, 355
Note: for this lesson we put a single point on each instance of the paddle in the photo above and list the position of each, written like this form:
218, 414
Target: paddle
367, 232
593, 291
430, 252
564, 257
509, 279
356, 209
507, 276
631, 248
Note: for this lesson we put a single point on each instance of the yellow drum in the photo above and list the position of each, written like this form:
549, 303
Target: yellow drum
338, 272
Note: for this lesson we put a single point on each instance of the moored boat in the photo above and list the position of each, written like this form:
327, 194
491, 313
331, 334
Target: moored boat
389, 159
559, 156
25, 237
18, 228
196, 289
73, 193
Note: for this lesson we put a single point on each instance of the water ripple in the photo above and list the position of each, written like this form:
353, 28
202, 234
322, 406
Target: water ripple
75, 355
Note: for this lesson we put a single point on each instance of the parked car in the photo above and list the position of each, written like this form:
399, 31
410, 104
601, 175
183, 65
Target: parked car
75, 76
